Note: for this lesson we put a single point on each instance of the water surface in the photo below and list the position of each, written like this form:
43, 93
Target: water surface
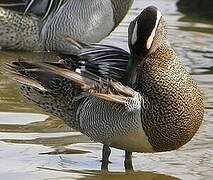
34, 145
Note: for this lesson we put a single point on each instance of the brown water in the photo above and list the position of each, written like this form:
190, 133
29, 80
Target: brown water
38, 146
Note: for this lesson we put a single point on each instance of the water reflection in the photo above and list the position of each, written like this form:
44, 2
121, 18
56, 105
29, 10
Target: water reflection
48, 139
98, 175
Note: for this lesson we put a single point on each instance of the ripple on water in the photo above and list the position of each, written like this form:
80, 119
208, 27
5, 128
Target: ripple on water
21, 118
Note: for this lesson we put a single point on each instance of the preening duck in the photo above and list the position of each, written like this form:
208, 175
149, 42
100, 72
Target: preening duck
142, 101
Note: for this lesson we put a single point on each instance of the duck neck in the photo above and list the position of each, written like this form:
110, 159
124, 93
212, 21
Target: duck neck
173, 102
120, 8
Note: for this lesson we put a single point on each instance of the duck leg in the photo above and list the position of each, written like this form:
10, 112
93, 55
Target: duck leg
128, 161
106, 151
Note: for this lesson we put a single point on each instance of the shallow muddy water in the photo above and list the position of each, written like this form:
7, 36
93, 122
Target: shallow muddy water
34, 145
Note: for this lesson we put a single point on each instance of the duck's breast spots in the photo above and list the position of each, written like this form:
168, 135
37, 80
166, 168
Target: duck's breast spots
174, 106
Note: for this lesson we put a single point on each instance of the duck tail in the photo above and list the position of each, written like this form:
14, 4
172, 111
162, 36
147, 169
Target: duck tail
35, 75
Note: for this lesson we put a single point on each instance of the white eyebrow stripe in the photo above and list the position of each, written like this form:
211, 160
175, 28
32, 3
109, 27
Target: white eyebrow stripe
134, 34
151, 37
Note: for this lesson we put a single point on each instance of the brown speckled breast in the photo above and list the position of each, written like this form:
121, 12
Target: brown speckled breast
173, 110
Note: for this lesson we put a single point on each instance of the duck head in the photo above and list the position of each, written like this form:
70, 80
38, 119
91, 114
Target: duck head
146, 34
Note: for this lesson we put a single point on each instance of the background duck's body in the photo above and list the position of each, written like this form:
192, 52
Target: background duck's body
46, 21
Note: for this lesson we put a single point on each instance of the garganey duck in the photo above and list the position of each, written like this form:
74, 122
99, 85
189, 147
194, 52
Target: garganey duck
39, 24
142, 101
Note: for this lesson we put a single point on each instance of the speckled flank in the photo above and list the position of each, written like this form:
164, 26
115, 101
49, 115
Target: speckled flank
18, 31
60, 104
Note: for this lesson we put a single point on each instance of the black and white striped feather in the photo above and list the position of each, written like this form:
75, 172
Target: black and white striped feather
103, 60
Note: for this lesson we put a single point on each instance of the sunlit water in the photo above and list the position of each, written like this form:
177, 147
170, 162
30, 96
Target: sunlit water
34, 145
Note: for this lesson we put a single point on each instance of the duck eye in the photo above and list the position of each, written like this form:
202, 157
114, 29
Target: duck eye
152, 35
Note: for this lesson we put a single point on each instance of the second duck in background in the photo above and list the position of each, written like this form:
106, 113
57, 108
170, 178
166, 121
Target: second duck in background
38, 25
